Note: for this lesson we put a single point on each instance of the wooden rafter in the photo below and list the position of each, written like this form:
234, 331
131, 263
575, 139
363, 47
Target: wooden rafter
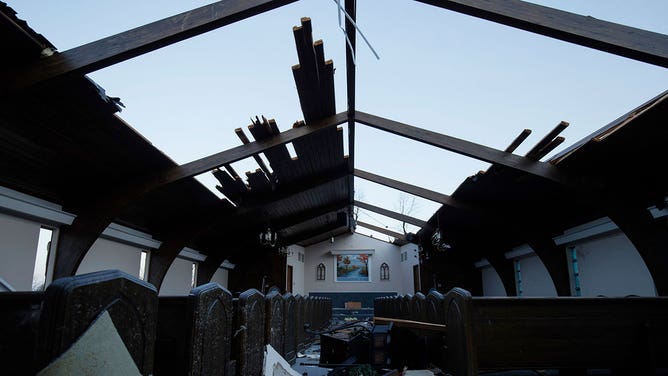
391, 214
382, 230
281, 223
586, 31
75, 240
518, 141
409, 188
340, 222
244, 151
467, 148
126, 45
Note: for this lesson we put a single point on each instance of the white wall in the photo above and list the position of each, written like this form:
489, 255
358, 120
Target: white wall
108, 254
611, 266
298, 275
18, 249
383, 252
178, 278
491, 282
536, 280
220, 277
406, 267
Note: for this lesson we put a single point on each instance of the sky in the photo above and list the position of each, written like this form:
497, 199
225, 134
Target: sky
439, 70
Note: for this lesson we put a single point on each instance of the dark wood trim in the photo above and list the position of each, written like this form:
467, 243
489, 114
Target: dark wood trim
555, 261
126, 45
467, 148
391, 214
617, 39
382, 230
649, 236
411, 189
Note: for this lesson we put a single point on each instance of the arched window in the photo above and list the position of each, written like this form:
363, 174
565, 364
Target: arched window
384, 272
320, 272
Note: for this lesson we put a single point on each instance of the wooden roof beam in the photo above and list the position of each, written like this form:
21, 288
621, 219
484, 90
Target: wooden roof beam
340, 222
391, 214
244, 140
76, 239
518, 141
382, 230
132, 43
283, 223
467, 148
324, 236
409, 188
587, 31
536, 150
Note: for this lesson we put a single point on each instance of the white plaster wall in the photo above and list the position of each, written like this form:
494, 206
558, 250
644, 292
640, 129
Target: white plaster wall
491, 282
298, 275
18, 249
178, 278
108, 254
611, 266
383, 252
535, 279
220, 277
406, 267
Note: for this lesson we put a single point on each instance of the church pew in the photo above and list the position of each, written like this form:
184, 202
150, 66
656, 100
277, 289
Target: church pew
72, 304
194, 332
19, 323
274, 321
249, 337
290, 328
300, 335
556, 333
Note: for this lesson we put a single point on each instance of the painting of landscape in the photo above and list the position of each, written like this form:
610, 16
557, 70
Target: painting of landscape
352, 268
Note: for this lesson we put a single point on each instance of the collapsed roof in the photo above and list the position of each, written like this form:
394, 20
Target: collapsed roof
63, 142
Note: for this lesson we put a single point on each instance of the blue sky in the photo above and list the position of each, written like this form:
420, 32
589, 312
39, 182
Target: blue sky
439, 70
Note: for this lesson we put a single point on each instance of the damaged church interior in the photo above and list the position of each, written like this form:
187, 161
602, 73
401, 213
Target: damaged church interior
271, 254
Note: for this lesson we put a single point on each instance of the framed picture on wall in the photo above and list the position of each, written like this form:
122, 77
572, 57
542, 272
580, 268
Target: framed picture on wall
352, 265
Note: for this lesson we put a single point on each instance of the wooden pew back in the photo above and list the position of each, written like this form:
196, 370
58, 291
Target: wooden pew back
72, 303
249, 339
534, 333
19, 323
274, 321
289, 328
210, 337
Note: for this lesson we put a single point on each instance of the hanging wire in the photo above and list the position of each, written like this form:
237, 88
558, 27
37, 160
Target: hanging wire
350, 45
377, 221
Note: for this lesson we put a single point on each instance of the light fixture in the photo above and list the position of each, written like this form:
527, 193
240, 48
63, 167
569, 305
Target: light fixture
437, 241
268, 238
285, 251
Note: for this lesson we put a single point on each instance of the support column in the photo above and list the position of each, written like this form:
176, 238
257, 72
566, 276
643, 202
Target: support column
650, 238
504, 268
554, 259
